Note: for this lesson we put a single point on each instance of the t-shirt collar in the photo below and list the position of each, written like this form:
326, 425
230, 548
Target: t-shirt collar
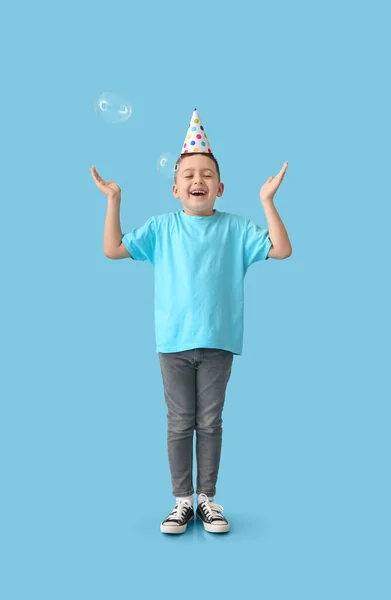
185, 215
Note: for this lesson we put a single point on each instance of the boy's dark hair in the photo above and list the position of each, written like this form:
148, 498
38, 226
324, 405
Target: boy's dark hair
182, 156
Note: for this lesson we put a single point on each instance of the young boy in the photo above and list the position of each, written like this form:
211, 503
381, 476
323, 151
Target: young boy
201, 256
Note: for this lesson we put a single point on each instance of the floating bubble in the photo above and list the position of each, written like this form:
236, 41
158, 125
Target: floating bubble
166, 165
112, 107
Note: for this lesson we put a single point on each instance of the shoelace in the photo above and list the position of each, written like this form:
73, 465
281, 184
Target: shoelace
179, 511
213, 510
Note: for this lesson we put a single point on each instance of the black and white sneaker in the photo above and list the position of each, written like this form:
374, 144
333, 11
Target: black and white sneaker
177, 520
211, 515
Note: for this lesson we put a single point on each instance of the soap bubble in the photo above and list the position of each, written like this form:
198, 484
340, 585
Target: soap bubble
166, 165
112, 107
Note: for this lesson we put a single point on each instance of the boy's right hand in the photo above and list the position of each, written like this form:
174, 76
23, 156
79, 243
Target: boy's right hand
109, 188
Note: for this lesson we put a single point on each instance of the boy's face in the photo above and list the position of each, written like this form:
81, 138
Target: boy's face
197, 172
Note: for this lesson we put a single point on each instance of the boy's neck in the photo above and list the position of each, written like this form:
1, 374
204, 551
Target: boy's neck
200, 214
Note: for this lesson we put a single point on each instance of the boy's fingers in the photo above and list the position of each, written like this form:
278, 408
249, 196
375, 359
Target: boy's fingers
99, 178
95, 174
99, 181
282, 172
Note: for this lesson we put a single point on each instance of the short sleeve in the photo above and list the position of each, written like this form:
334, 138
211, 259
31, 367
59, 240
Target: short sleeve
141, 242
257, 244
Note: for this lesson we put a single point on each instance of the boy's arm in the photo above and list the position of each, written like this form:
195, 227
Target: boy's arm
112, 237
281, 246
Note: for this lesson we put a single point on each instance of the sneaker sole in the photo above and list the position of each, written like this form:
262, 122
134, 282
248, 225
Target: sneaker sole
174, 528
214, 528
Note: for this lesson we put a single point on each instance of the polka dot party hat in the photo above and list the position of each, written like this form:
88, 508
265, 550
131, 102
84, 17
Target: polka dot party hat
196, 140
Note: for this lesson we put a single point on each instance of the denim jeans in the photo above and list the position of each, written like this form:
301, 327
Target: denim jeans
195, 383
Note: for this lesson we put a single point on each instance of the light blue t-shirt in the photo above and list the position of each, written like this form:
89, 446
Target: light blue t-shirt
200, 264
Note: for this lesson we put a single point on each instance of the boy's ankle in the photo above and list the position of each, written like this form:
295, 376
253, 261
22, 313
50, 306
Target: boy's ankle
184, 498
201, 498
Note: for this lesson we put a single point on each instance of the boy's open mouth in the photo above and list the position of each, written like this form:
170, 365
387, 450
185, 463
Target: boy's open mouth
198, 193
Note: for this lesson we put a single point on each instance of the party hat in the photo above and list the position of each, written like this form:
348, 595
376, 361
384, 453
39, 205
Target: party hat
196, 140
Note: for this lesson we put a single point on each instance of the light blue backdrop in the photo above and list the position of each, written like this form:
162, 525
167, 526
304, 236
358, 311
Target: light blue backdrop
305, 471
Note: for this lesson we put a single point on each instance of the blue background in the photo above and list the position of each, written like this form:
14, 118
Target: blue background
305, 474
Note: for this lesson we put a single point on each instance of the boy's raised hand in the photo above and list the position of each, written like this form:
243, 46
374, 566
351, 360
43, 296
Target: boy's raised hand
109, 188
272, 184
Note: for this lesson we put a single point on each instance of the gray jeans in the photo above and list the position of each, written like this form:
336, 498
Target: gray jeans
194, 383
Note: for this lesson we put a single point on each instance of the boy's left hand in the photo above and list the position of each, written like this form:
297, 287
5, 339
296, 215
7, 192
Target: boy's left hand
272, 184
